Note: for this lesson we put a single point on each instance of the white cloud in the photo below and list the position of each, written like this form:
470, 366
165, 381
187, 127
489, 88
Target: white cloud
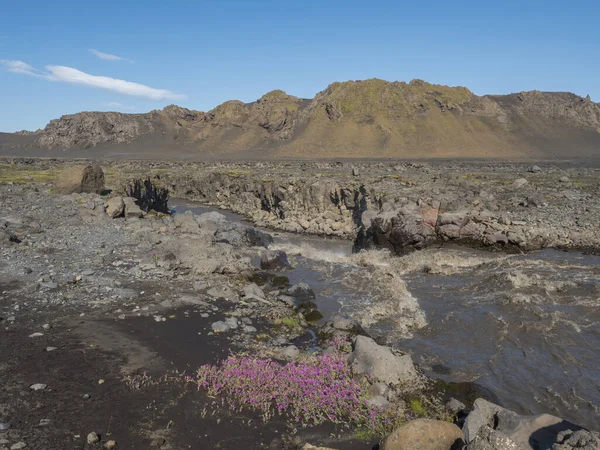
19, 67
73, 76
108, 56
120, 106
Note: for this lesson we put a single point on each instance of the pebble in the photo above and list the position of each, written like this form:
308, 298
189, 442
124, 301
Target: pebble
232, 323
51, 349
291, 351
100, 381
249, 329
34, 335
4, 426
204, 315
92, 438
455, 406
44, 422
18, 446
110, 445
220, 327
38, 386
46, 326
280, 340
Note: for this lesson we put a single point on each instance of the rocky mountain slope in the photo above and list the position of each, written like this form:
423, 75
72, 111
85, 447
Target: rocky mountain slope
360, 119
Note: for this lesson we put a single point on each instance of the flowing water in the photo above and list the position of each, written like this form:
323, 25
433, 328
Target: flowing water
526, 327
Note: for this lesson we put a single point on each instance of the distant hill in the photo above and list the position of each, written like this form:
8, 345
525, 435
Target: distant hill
353, 119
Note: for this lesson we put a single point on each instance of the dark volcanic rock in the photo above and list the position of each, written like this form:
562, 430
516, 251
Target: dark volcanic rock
415, 228
274, 260
148, 196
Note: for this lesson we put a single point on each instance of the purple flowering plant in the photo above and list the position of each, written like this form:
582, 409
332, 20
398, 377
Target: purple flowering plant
310, 392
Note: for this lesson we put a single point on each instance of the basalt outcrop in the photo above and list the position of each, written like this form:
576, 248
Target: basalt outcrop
399, 206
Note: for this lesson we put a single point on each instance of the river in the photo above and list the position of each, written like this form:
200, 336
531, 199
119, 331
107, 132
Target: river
525, 327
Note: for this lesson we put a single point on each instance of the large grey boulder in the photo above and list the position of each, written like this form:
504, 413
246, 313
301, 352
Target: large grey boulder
482, 415
527, 432
79, 179
580, 439
539, 431
379, 362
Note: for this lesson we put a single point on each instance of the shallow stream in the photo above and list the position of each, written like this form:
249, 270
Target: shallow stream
525, 327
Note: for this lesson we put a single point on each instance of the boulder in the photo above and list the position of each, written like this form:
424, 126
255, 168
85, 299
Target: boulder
79, 179
424, 434
539, 431
148, 196
526, 432
580, 439
483, 414
400, 231
274, 260
489, 439
115, 207
534, 169
253, 291
132, 210
379, 362
302, 292
257, 238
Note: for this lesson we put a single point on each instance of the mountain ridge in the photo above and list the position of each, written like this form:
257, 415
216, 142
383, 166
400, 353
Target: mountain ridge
357, 119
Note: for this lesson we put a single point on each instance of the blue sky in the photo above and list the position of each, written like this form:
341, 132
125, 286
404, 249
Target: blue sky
201, 53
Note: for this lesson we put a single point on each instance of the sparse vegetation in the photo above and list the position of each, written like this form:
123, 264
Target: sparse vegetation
20, 174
